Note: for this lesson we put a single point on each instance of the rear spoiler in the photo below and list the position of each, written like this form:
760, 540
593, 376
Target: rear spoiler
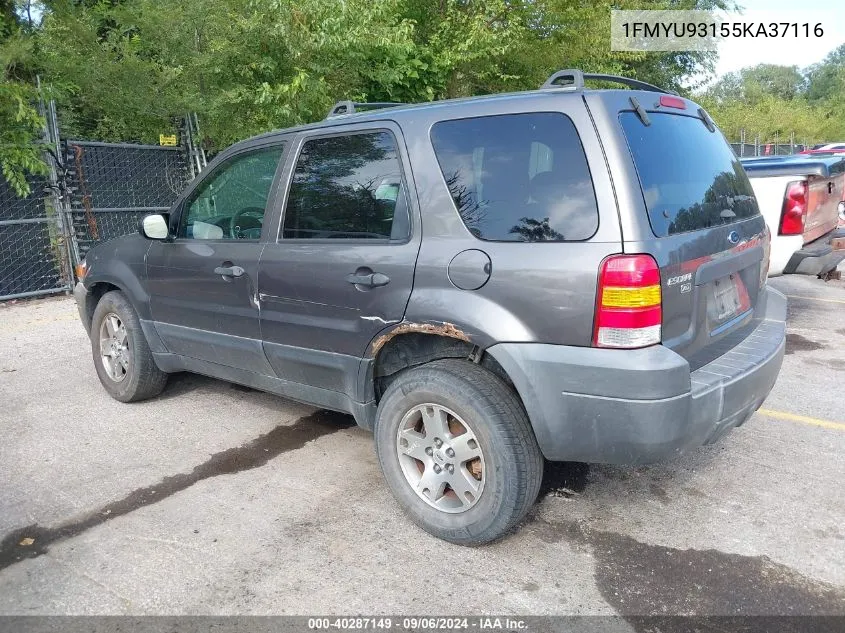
800, 165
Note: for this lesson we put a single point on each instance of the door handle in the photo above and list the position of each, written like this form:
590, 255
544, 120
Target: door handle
229, 271
372, 280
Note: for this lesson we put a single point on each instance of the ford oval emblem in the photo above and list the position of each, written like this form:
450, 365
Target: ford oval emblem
733, 237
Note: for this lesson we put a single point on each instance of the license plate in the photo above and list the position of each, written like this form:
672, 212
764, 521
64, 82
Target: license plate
725, 300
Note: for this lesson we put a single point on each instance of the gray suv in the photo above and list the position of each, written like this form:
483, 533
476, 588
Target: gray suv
565, 273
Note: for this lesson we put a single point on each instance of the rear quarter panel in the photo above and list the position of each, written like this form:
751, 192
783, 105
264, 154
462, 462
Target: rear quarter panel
537, 292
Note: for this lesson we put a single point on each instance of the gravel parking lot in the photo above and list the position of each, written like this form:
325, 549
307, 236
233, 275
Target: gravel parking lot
222, 500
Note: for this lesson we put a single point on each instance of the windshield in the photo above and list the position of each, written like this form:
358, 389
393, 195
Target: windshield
690, 178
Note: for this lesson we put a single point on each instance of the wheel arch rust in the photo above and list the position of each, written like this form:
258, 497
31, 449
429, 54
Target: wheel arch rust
441, 328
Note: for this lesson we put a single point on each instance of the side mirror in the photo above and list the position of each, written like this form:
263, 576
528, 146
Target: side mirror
154, 227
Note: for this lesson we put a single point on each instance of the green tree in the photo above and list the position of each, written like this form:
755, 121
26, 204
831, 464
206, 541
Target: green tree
827, 78
124, 70
20, 124
775, 101
246, 66
754, 83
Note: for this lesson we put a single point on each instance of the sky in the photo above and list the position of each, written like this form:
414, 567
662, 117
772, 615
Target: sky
741, 53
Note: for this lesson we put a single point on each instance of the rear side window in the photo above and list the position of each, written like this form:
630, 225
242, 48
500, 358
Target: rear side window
690, 177
348, 187
518, 177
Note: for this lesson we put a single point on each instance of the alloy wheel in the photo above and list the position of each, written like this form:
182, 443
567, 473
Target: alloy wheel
441, 458
114, 347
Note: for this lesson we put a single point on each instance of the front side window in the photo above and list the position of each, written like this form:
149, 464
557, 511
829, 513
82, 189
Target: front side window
230, 203
518, 177
348, 187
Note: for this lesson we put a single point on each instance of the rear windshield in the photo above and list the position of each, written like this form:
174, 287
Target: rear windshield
690, 178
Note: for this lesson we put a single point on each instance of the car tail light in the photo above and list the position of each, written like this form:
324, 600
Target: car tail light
628, 302
81, 269
794, 212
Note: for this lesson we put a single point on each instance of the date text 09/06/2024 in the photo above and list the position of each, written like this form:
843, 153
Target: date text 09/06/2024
416, 623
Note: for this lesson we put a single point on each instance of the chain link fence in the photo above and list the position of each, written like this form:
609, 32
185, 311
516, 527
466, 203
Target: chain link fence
754, 144
32, 261
113, 185
767, 149
93, 192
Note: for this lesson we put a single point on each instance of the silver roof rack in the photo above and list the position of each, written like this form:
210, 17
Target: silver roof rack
348, 107
574, 78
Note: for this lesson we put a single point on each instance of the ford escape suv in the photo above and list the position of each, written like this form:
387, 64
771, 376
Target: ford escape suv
565, 273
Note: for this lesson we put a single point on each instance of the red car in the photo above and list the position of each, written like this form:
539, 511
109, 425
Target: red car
825, 148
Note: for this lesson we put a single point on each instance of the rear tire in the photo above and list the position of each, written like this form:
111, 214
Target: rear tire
122, 357
466, 491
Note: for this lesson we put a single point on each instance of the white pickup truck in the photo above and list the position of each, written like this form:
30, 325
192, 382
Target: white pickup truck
800, 198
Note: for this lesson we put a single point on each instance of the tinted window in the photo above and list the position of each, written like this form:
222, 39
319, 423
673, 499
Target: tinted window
348, 187
230, 203
518, 177
690, 177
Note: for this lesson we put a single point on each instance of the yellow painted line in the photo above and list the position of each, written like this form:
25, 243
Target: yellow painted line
816, 299
803, 419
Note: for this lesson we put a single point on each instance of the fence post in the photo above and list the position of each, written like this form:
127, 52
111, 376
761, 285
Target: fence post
193, 147
68, 253
196, 131
64, 198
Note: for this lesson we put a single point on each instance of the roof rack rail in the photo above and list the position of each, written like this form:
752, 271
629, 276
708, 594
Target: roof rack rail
574, 77
348, 107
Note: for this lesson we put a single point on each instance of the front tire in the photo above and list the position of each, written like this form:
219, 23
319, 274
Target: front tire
458, 451
122, 357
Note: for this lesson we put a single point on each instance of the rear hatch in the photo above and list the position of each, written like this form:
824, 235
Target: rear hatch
701, 223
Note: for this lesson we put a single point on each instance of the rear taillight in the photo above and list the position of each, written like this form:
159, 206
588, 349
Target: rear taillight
628, 302
794, 212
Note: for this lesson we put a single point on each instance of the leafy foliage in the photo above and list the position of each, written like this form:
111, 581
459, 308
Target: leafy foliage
20, 124
128, 70
771, 101
124, 70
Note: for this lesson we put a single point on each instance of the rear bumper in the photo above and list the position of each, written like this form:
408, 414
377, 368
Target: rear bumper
820, 256
641, 406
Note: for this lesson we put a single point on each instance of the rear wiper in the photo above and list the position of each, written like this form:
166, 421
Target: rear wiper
641, 113
707, 121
